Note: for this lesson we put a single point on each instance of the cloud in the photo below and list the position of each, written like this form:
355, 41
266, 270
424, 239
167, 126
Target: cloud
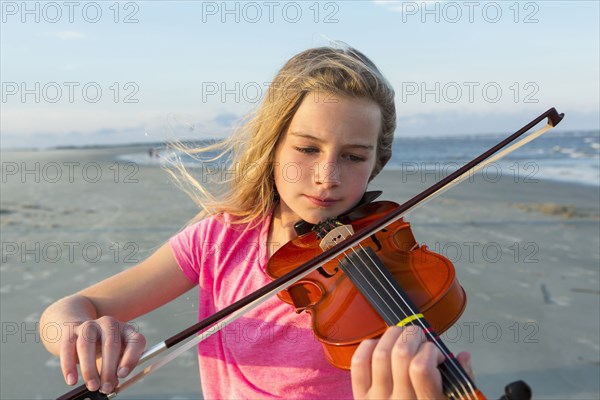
226, 120
56, 120
402, 6
68, 35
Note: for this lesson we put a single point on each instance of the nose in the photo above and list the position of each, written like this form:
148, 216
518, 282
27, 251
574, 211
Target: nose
327, 174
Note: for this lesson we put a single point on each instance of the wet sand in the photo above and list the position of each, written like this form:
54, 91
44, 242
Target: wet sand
526, 253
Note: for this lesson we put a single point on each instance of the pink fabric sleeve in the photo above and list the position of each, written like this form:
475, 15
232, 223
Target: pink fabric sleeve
187, 252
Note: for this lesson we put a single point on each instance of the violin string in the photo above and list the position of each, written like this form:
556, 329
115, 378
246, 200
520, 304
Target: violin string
451, 372
449, 379
368, 293
451, 376
365, 290
461, 378
456, 372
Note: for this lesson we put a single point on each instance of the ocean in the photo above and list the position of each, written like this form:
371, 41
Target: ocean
560, 156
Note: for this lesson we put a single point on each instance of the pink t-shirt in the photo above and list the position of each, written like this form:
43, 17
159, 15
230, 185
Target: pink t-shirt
270, 352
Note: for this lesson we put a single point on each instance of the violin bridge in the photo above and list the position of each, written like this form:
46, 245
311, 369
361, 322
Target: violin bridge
335, 236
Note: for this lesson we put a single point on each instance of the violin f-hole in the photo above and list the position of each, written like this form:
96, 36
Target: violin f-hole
304, 294
326, 274
376, 241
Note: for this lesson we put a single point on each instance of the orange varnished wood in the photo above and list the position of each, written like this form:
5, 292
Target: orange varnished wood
341, 316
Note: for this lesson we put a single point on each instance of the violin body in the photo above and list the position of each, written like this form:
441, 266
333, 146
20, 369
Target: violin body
341, 316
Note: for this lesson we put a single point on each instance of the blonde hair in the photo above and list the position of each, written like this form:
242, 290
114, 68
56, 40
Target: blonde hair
248, 192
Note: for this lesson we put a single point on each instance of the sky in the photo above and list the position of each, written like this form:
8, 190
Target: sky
106, 72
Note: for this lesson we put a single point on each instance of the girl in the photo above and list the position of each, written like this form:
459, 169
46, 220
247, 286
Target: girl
323, 131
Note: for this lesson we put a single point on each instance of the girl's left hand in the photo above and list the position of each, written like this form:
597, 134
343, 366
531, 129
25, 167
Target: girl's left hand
400, 365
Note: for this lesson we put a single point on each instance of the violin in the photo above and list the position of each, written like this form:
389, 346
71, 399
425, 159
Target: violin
331, 296
385, 272
386, 280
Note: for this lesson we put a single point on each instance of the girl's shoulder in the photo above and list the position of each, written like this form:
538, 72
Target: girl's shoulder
208, 247
226, 223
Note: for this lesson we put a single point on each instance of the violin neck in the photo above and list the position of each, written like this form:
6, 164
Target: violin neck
364, 268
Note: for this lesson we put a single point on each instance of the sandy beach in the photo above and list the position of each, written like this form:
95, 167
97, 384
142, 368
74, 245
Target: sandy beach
526, 252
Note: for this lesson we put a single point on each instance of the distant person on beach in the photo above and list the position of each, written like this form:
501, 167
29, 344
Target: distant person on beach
153, 153
323, 131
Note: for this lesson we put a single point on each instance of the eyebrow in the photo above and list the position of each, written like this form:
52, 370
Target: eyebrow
316, 139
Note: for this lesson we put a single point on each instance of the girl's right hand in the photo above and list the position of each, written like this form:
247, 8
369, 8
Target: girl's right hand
118, 344
102, 336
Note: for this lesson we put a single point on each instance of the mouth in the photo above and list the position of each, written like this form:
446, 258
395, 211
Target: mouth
322, 201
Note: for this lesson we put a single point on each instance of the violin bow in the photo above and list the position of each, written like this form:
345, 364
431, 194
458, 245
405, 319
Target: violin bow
207, 327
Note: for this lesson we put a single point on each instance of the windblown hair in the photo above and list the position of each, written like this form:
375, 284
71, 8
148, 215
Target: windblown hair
248, 191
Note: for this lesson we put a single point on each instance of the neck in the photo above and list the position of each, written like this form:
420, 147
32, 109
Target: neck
281, 230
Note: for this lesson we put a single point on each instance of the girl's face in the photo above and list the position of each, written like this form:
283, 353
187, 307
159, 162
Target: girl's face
324, 159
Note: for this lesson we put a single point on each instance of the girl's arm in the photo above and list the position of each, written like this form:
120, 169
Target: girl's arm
92, 321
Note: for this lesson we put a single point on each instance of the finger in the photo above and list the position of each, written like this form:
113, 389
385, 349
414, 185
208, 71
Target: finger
111, 352
424, 372
68, 358
360, 371
405, 348
464, 358
86, 350
383, 375
135, 343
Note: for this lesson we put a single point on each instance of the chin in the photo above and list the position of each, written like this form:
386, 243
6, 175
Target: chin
321, 215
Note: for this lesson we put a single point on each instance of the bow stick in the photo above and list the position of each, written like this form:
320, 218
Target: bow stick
222, 318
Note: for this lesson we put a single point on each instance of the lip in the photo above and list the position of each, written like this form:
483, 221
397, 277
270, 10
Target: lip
322, 201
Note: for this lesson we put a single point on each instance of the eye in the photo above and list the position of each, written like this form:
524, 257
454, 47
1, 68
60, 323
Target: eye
355, 158
306, 150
